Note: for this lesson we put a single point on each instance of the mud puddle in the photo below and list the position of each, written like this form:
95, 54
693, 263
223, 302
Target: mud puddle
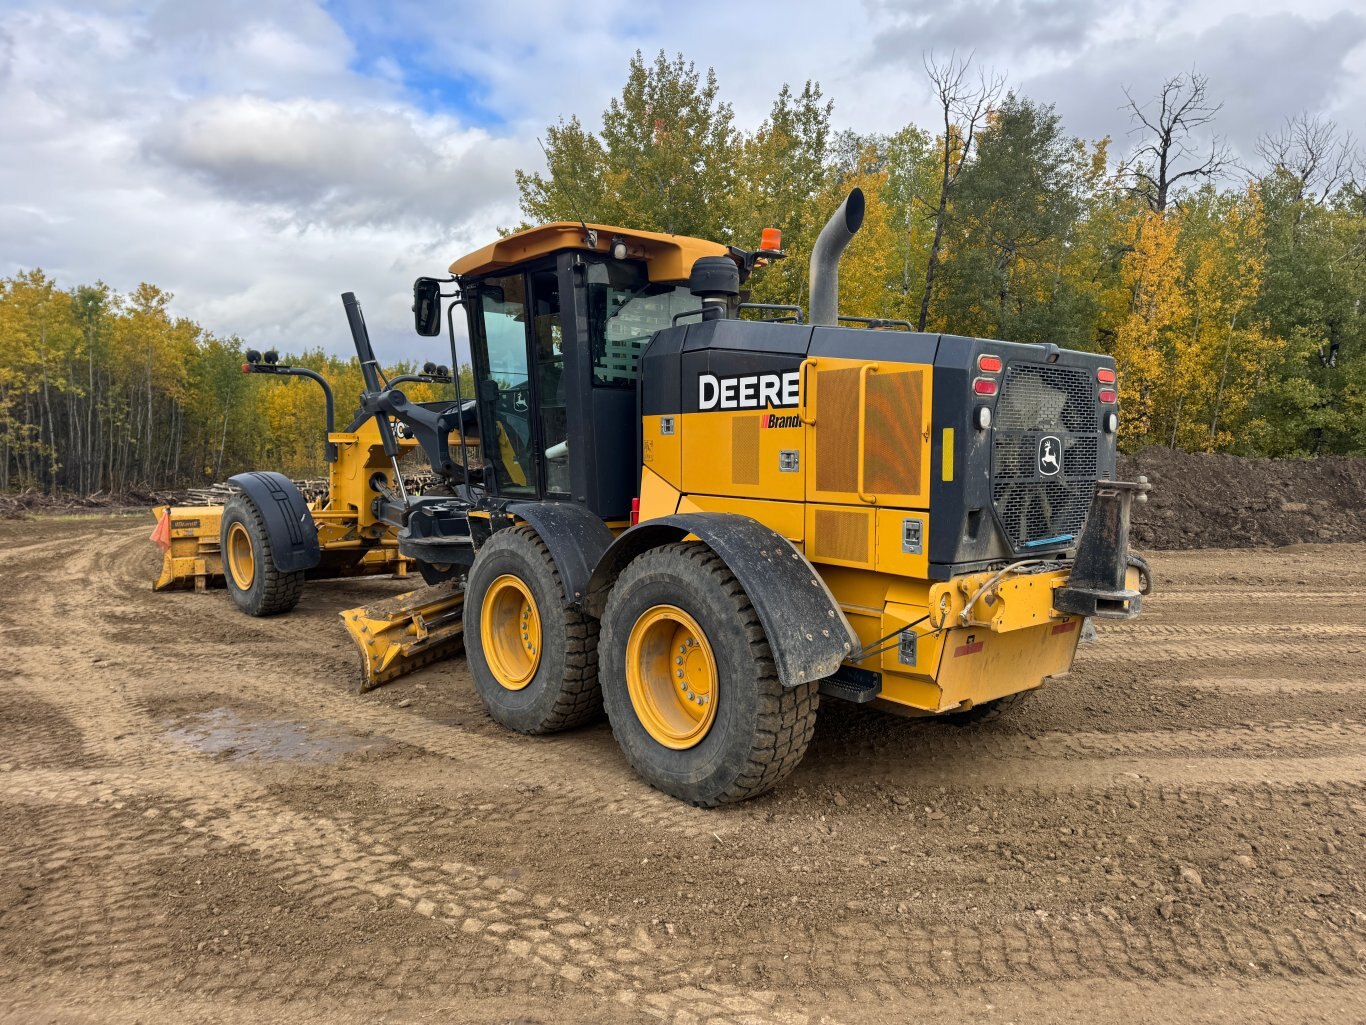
223, 733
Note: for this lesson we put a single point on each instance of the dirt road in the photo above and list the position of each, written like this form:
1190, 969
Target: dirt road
201, 821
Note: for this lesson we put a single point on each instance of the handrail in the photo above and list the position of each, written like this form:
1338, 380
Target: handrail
803, 392
864, 372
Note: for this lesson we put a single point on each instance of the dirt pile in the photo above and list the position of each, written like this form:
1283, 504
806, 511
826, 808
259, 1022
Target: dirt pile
1220, 501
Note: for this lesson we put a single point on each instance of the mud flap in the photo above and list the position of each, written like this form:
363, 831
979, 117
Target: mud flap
293, 534
576, 539
808, 633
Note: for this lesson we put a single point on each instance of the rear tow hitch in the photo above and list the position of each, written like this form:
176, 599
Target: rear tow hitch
1098, 585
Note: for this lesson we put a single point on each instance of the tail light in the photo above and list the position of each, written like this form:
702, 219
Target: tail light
1105, 375
989, 364
1108, 395
984, 386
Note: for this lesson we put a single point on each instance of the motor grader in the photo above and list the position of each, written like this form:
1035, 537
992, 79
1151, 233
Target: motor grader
704, 515
245, 544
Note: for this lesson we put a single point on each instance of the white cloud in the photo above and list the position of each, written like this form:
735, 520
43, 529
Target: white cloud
259, 158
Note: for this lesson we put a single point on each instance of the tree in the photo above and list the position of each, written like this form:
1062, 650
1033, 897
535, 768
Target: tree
664, 159
964, 106
1015, 203
1165, 155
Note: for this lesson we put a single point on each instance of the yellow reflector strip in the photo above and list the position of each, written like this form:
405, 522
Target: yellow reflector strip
948, 454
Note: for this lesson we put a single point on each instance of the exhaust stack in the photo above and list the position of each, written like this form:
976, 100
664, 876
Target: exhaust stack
825, 258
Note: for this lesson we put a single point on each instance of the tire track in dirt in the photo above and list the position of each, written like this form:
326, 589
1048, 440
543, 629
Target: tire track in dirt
146, 805
330, 863
558, 764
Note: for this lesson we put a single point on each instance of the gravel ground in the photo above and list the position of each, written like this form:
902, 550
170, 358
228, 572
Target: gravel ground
200, 820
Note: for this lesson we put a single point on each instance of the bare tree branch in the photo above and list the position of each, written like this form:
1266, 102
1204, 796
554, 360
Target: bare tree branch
1314, 152
1167, 143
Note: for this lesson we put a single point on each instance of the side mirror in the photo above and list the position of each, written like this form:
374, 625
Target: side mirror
427, 307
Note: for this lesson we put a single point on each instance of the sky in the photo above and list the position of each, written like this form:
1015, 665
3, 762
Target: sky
259, 158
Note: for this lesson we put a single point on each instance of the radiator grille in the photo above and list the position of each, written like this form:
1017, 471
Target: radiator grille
1047, 397
744, 450
1036, 510
892, 446
837, 432
841, 534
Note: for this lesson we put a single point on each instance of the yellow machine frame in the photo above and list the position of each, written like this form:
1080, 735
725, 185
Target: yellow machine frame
344, 517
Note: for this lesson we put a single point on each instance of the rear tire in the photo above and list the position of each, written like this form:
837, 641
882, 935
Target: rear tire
258, 588
555, 687
756, 730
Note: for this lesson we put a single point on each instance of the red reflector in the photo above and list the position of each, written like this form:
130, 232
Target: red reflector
1108, 395
635, 511
1105, 375
246, 368
989, 364
984, 386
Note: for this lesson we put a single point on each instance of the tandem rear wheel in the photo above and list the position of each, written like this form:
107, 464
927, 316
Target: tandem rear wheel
689, 685
256, 585
534, 660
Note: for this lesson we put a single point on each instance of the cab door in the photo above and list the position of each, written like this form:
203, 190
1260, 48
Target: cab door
503, 386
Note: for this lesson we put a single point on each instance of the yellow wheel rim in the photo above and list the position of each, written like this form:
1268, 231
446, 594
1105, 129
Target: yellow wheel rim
671, 677
510, 627
241, 558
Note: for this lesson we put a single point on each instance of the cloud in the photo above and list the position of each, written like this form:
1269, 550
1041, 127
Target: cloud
1262, 68
1019, 26
319, 161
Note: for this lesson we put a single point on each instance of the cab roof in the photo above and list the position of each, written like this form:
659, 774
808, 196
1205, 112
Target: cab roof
667, 257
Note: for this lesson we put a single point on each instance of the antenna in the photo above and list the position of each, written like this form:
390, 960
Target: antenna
590, 237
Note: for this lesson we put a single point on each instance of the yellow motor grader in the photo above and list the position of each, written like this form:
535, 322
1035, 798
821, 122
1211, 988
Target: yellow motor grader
704, 515
267, 537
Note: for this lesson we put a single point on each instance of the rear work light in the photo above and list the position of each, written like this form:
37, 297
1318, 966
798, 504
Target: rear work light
1108, 395
1105, 375
989, 364
984, 386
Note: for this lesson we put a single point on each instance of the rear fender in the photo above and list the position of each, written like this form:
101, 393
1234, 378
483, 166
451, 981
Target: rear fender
576, 539
289, 524
806, 628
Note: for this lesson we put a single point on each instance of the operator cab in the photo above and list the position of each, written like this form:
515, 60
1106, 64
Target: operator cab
557, 318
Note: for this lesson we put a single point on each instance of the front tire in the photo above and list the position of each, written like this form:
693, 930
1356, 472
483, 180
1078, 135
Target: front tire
534, 661
258, 588
689, 685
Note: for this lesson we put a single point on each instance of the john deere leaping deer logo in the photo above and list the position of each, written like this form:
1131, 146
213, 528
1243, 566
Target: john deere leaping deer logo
1050, 455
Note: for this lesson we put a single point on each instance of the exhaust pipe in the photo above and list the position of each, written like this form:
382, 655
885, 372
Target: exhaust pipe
825, 258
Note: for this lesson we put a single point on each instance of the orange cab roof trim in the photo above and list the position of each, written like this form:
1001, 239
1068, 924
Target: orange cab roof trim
667, 257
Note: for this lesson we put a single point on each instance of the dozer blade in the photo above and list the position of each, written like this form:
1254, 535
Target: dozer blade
406, 632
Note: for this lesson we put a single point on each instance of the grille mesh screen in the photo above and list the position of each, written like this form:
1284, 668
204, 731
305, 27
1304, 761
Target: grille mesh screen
1039, 401
893, 446
744, 450
837, 432
841, 534
1045, 397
